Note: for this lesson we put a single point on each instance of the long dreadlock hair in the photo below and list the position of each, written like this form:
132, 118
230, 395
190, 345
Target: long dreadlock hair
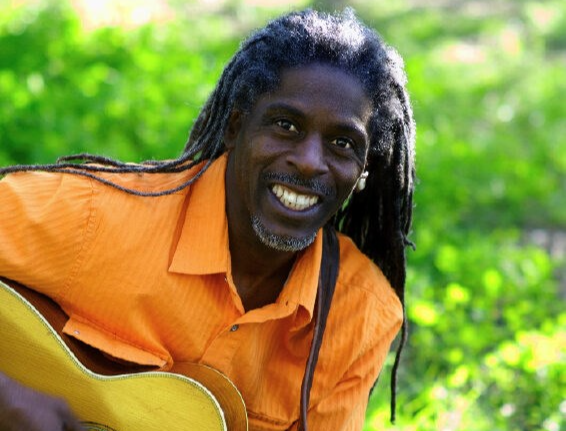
378, 219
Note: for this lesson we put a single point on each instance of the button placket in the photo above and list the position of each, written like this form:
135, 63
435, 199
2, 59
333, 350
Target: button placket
222, 349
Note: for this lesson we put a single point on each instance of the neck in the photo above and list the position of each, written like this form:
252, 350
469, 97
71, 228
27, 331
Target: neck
259, 272
259, 276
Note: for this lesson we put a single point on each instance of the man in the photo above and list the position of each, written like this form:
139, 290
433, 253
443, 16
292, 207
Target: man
217, 257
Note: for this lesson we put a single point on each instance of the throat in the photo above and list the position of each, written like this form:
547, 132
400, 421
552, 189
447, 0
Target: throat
258, 288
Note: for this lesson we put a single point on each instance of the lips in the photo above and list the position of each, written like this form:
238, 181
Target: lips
293, 200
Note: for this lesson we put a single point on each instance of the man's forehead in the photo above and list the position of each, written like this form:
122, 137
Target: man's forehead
326, 86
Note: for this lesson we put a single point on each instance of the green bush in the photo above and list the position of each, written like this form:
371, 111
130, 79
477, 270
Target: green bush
124, 94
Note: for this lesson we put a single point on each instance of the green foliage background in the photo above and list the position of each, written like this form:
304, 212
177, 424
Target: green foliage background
486, 284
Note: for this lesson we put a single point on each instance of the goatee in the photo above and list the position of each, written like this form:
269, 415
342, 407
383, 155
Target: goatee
280, 242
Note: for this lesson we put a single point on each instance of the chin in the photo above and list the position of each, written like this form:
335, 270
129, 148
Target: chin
281, 242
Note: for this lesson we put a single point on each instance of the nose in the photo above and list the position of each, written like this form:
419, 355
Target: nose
307, 156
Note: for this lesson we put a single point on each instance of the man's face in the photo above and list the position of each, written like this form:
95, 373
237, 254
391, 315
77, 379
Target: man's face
296, 156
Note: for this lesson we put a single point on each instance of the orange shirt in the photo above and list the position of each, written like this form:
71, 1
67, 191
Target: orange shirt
149, 280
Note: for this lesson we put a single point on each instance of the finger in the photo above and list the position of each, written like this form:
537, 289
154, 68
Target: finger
73, 425
69, 421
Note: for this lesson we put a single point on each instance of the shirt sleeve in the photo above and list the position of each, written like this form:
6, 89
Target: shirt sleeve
44, 218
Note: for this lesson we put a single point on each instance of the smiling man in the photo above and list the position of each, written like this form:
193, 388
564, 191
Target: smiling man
228, 256
298, 154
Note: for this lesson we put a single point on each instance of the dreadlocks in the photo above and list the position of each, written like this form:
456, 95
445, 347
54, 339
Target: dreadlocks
378, 219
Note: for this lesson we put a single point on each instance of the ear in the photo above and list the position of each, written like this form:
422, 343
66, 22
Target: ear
233, 129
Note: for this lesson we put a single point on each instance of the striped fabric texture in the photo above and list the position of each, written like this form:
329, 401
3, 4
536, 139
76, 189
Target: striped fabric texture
148, 280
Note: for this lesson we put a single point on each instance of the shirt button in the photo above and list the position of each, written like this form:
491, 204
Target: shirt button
234, 328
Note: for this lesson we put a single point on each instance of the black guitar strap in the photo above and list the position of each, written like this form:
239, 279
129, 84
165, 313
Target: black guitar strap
326, 285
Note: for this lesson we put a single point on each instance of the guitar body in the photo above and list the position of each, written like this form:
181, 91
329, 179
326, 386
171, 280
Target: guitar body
105, 396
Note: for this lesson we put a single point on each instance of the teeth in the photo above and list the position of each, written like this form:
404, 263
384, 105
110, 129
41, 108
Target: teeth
293, 200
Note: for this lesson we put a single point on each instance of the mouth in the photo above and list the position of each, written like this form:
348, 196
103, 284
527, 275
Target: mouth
292, 200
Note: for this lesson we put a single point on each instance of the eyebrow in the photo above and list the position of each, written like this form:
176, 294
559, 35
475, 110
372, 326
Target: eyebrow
282, 106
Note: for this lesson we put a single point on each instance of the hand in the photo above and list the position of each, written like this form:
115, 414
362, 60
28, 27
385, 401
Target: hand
23, 409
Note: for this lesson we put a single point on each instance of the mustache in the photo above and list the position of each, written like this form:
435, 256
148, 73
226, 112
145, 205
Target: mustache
316, 186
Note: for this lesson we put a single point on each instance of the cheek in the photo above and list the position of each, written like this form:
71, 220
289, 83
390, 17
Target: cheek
251, 159
346, 179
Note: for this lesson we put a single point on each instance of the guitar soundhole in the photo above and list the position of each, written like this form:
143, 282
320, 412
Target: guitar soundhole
93, 426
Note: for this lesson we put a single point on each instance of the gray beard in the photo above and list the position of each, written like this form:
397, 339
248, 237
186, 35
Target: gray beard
280, 242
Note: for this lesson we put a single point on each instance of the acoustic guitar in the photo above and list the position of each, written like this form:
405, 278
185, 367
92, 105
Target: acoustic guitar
103, 393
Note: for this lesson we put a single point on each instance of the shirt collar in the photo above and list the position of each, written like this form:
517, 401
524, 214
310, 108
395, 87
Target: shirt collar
203, 243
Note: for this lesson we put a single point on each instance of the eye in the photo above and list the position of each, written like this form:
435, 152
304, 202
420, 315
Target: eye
287, 125
342, 142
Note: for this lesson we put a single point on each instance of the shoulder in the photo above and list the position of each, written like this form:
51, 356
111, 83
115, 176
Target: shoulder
144, 182
359, 272
35, 192
45, 198
363, 291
